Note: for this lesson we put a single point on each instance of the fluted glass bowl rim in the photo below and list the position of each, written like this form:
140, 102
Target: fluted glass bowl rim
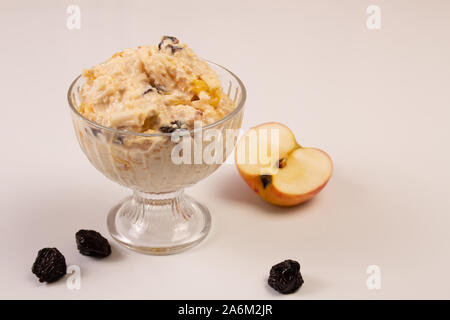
229, 116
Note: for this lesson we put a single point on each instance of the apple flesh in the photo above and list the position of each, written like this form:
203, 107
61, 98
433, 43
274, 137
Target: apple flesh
277, 168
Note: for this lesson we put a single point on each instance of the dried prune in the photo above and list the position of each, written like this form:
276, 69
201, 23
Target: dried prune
266, 179
95, 132
148, 90
92, 243
50, 265
169, 42
285, 277
118, 140
153, 88
174, 49
167, 129
165, 39
174, 125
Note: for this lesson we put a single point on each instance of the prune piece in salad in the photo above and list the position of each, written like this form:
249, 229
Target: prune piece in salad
118, 140
174, 49
174, 125
148, 90
285, 277
154, 88
168, 42
50, 265
167, 129
91, 243
95, 132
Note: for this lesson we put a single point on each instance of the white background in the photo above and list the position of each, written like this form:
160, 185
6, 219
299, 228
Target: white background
376, 101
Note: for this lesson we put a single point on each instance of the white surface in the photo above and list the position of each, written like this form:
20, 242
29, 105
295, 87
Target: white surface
376, 101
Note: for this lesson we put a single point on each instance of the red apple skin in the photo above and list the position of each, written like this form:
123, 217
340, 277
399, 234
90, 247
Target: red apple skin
274, 196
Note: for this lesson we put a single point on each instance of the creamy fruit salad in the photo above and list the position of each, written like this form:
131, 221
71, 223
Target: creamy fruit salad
148, 93
153, 89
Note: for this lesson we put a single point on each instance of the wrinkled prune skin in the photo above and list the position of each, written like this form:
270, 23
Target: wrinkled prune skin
169, 39
266, 179
174, 49
92, 131
118, 140
168, 42
91, 243
153, 88
148, 90
50, 265
174, 125
285, 277
167, 129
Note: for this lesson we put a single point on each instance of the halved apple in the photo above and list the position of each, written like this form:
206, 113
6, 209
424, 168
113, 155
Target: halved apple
277, 168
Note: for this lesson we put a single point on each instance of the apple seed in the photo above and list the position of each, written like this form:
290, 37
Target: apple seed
281, 163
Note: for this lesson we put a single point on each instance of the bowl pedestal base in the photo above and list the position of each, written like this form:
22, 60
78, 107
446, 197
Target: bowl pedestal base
159, 223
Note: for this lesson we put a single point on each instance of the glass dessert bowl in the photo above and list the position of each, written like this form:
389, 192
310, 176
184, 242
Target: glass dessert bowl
158, 218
